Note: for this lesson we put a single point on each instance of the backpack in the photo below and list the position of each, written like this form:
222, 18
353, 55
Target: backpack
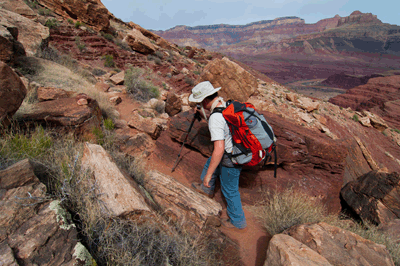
252, 137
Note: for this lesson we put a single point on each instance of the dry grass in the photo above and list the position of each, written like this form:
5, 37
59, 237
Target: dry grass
282, 210
110, 240
51, 74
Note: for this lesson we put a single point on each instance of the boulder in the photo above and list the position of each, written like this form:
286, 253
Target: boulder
91, 12
119, 78
307, 104
19, 7
12, 93
285, 250
235, 82
340, 247
115, 100
146, 125
173, 104
48, 94
101, 86
181, 204
67, 114
138, 42
33, 229
33, 36
375, 121
391, 229
374, 196
119, 192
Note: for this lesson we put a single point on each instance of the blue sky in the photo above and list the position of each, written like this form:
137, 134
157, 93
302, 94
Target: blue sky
166, 14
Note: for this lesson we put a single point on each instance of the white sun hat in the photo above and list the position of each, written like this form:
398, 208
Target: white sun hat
201, 91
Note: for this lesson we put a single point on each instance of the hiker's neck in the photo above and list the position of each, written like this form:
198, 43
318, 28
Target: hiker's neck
216, 102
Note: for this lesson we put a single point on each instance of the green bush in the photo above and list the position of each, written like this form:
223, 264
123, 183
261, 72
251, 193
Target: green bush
109, 61
51, 23
138, 87
189, 81
355, 117
108, 36
78, 24
70, 21
108, 124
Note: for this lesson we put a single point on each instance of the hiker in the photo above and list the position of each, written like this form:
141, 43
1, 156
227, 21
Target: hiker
219, 164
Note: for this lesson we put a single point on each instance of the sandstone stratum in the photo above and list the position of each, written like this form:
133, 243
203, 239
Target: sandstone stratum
94, 112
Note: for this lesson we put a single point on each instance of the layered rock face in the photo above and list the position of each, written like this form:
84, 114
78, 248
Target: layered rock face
91, 12
380, 95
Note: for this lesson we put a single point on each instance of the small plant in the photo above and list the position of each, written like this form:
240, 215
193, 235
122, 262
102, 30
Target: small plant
51, 23
189, 81
98, 72
108, 124
196, 72
159, 54
78, 24
397, 131
384, 133
70, 21
355, 117
138, 87
108, 36
44, 11
274, 101
109, 61
157, 61
81, 46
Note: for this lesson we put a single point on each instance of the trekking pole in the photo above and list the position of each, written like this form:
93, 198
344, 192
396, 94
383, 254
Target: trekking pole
196, 116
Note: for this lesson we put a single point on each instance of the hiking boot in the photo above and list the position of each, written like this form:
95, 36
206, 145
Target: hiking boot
197, 187
227, 224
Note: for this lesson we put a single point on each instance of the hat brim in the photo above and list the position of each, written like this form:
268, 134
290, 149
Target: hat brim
192, 99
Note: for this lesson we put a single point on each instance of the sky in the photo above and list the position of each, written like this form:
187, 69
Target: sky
166, 14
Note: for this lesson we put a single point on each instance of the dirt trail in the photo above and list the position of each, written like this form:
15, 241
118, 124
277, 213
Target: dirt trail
252, 240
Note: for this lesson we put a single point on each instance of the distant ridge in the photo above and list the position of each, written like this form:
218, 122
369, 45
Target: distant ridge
228, 26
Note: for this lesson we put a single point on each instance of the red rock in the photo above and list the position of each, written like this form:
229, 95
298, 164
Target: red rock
173, 104
48, 94
92, 12
12, 93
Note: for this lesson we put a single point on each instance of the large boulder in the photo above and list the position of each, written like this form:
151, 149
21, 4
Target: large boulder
33, 229
19, 7
173, 104
138, 42
181, 204
91, 12
235, 82
374, 196
79, 114
33, 36
119, 192
340, 247
12, 93
285, 250
10, 48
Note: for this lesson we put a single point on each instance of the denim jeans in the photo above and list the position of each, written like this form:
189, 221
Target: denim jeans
229, 177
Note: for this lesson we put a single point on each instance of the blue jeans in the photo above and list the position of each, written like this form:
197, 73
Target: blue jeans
229, 177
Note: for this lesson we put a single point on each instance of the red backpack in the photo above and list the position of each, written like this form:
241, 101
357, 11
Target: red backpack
252, 137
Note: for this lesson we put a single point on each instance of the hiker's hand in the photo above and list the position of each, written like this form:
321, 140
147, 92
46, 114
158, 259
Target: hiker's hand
206, 180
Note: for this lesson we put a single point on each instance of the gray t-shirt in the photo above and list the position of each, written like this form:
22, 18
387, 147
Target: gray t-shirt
219, 130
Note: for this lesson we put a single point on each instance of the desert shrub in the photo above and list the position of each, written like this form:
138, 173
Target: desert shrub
157, 61
77, 24
159, 54
396, 130
51, 23
138, 87
279, 211
108, 124
98, 72
109, 61
70, 21
355, 117
189, 80
108, 36
44, 11
282, 210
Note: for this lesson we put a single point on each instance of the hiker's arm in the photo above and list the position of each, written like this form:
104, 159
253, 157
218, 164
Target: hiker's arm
218, 152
